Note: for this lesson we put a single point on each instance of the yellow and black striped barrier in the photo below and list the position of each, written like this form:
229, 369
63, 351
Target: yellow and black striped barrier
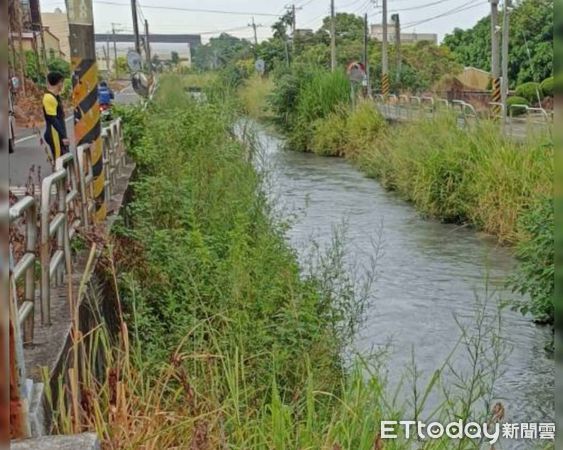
87, 126
496, 97
385, 85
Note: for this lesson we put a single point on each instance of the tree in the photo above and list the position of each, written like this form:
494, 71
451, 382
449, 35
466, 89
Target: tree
175, 58
220, 51
531, 30
280, 27
348, 27
59, 65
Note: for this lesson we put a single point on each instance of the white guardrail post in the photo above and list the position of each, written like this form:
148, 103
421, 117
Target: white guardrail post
26, 208
51, 264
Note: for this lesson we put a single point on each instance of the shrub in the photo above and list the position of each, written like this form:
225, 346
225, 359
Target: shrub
302, 96
134, 123
536, 273
329, 135
59, 65
364, 127
529, 91
546, 87
322, 94
516, 101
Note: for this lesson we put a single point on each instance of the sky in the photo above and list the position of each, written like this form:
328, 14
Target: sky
211, 17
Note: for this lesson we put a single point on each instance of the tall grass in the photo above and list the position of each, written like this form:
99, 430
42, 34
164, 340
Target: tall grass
254, 94
475, 176
305, 96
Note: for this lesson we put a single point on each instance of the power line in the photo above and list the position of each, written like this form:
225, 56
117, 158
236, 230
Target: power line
451, 12
173, 8
349, 4
427, 5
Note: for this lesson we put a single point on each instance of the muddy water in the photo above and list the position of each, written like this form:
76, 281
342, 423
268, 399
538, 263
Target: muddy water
427, 273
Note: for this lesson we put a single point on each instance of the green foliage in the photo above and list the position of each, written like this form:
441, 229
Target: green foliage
531, 28
329, 134
175, 58
220, 52
547, 87
512, 101
122, 66
530, 91
67, 89
134, 125
365, 127
59, 65
461, 176
32, 68
536, 273
303, 96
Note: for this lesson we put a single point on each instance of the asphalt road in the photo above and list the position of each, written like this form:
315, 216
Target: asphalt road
30, 157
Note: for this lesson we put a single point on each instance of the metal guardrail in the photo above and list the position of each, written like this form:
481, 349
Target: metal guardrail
407, 107
72, 187
66, 204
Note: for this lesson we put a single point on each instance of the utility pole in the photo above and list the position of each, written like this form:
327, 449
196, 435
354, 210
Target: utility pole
495, 58
505, 47
253, 25
106, 54
332, 37
384, 57
293, 21
136, 26
397, 22
366, 53
115, 51
148, 46
87, 128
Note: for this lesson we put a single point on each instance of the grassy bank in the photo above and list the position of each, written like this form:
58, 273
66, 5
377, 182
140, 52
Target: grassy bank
474, 176
225, 342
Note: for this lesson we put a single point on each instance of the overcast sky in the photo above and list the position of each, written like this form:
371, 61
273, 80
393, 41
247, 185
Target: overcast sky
234, 15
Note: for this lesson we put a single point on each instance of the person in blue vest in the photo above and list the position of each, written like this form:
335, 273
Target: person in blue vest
105, 94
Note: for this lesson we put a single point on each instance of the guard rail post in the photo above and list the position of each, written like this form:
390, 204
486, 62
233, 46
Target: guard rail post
26, 208
51, 266
106, 155
67, 162
85, 179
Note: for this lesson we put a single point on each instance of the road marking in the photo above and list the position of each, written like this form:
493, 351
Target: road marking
27, 138
36, 135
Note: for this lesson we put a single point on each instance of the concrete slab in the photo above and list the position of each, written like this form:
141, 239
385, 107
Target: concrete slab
85, 441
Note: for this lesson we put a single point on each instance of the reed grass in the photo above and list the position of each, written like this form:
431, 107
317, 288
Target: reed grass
254, 94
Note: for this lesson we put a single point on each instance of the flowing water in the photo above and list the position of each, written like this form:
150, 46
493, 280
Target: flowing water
427, 273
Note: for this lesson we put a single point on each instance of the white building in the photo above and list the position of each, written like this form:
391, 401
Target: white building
376, 32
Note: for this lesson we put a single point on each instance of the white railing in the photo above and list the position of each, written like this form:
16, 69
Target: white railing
26, 208
409, 107
66, 205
